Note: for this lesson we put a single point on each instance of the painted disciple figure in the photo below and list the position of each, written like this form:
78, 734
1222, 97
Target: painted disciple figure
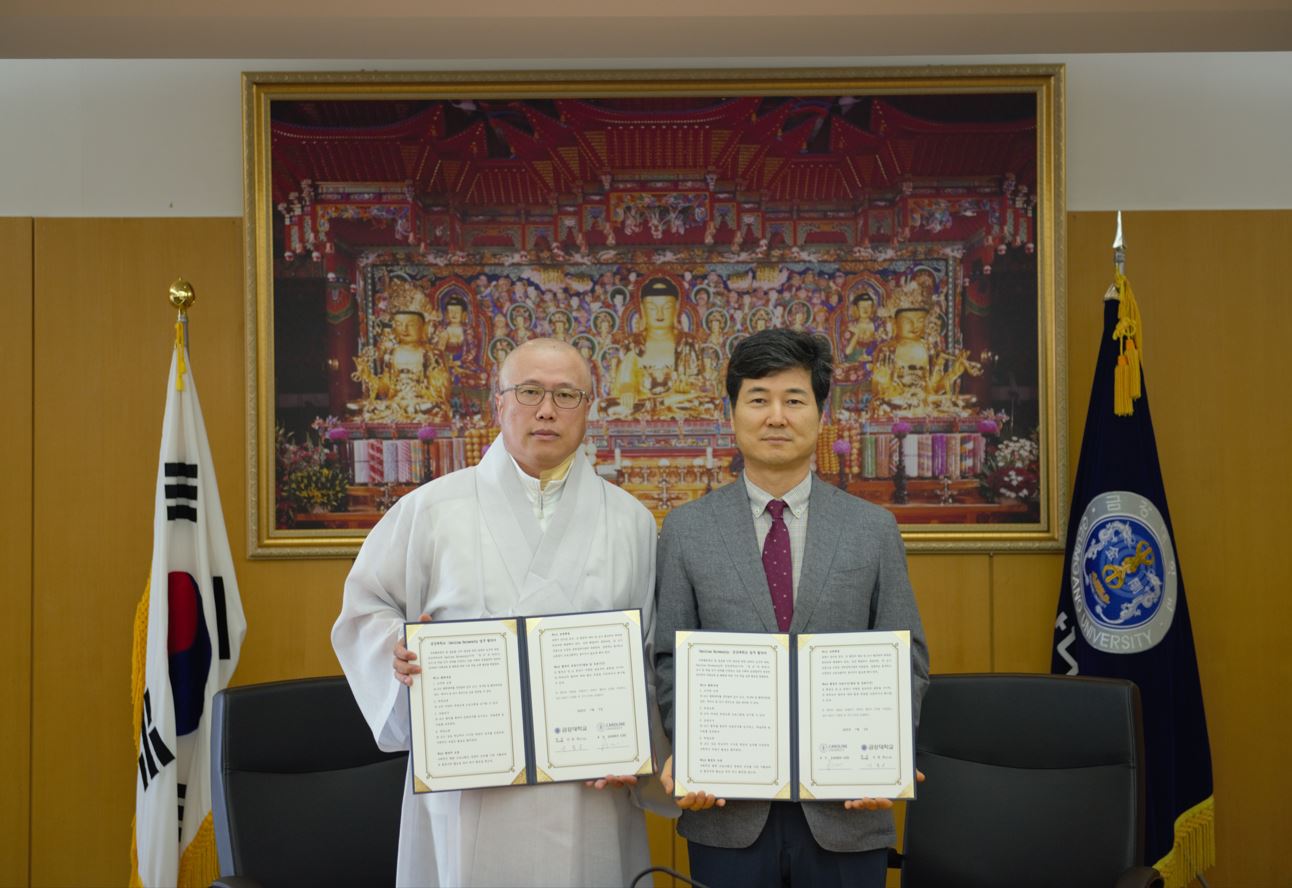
710, 386
715, 325
502, 291
499, 326
611, 360
862, 333
456, 341
499, 349
559, 322
587, 347
521, 319
603, 328
799, 315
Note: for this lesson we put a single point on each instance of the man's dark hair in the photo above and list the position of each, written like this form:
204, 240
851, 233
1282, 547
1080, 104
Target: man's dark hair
771, 351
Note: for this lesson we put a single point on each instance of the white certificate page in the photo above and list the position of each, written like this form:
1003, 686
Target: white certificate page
855, 737
588, 696
466, 706
731, 728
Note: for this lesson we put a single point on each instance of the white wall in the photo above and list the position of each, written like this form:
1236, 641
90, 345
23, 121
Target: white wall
163, 137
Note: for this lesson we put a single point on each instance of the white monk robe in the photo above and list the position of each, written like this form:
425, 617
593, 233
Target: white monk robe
470, 545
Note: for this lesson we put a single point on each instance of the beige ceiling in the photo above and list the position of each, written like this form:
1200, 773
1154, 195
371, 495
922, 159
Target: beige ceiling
650, 29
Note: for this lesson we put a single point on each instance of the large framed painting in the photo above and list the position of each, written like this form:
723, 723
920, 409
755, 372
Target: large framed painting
404, 232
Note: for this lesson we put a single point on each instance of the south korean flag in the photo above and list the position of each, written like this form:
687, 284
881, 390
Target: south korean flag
190, 644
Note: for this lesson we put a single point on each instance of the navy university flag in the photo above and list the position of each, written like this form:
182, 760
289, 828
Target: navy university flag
1122, 611
188, 633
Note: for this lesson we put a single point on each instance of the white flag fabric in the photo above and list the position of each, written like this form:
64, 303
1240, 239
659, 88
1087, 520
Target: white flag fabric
188, 634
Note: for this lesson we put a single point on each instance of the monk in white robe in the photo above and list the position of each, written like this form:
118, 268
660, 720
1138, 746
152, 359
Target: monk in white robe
531, 530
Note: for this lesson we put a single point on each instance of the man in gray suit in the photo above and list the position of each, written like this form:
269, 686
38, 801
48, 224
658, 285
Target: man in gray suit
726, 563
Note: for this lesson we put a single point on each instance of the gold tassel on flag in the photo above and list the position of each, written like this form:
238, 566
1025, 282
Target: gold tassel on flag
1129, 333
179, 356
181, 296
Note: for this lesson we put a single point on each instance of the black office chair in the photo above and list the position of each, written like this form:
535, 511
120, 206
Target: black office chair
301, 793
1031, 780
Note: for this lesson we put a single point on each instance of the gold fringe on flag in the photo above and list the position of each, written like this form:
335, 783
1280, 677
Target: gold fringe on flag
198, 865
1129, 332
1194, 851
135, 880
138, 678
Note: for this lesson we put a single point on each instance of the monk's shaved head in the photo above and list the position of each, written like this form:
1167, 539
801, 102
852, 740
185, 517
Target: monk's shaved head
542, 436
520, 357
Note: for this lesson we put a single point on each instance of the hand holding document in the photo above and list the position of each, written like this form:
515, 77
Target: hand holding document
528, 700
822, 716
405, 660
692, 801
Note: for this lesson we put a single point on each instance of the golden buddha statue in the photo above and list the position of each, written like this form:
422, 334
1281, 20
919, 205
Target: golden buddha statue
404, 379
911, 371
659, 368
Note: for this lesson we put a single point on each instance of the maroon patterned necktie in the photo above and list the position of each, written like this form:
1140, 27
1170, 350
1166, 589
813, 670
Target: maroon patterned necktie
779, 565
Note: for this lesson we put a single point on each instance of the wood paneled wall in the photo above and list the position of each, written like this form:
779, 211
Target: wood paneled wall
85, 352
15, 553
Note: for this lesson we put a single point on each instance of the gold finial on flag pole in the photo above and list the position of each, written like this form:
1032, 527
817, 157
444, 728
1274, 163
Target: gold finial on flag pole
181, 296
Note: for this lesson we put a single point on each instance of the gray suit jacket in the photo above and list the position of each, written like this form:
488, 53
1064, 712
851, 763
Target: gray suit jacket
710, 577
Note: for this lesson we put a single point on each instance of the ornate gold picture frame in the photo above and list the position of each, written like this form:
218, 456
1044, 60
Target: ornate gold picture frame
405, 231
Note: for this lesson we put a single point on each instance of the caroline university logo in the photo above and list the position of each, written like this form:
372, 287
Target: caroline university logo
1123, 574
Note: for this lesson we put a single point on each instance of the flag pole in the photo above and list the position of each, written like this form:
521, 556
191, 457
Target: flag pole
1119, 247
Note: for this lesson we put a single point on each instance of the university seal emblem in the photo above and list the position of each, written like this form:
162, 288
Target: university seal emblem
1123, 574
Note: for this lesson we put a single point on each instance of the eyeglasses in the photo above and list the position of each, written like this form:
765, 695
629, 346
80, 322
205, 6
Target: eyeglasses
532, 395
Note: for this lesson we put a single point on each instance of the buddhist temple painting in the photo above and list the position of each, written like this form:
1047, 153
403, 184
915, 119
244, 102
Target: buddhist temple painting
417, 242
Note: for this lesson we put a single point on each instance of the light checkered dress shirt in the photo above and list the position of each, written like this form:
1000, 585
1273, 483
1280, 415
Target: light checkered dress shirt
796, 501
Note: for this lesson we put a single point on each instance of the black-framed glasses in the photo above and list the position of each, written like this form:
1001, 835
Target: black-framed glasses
532, 395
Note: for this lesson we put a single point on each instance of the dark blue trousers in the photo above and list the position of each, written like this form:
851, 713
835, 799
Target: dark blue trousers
784, 855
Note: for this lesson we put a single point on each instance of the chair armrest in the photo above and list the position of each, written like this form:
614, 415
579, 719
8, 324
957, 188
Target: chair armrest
1140, 877
235, 882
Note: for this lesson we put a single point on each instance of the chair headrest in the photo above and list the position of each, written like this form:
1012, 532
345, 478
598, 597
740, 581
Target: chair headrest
276, 727
1030, 720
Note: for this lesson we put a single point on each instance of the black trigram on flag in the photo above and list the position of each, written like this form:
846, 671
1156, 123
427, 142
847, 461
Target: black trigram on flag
183, 791
181, 492
153, 752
